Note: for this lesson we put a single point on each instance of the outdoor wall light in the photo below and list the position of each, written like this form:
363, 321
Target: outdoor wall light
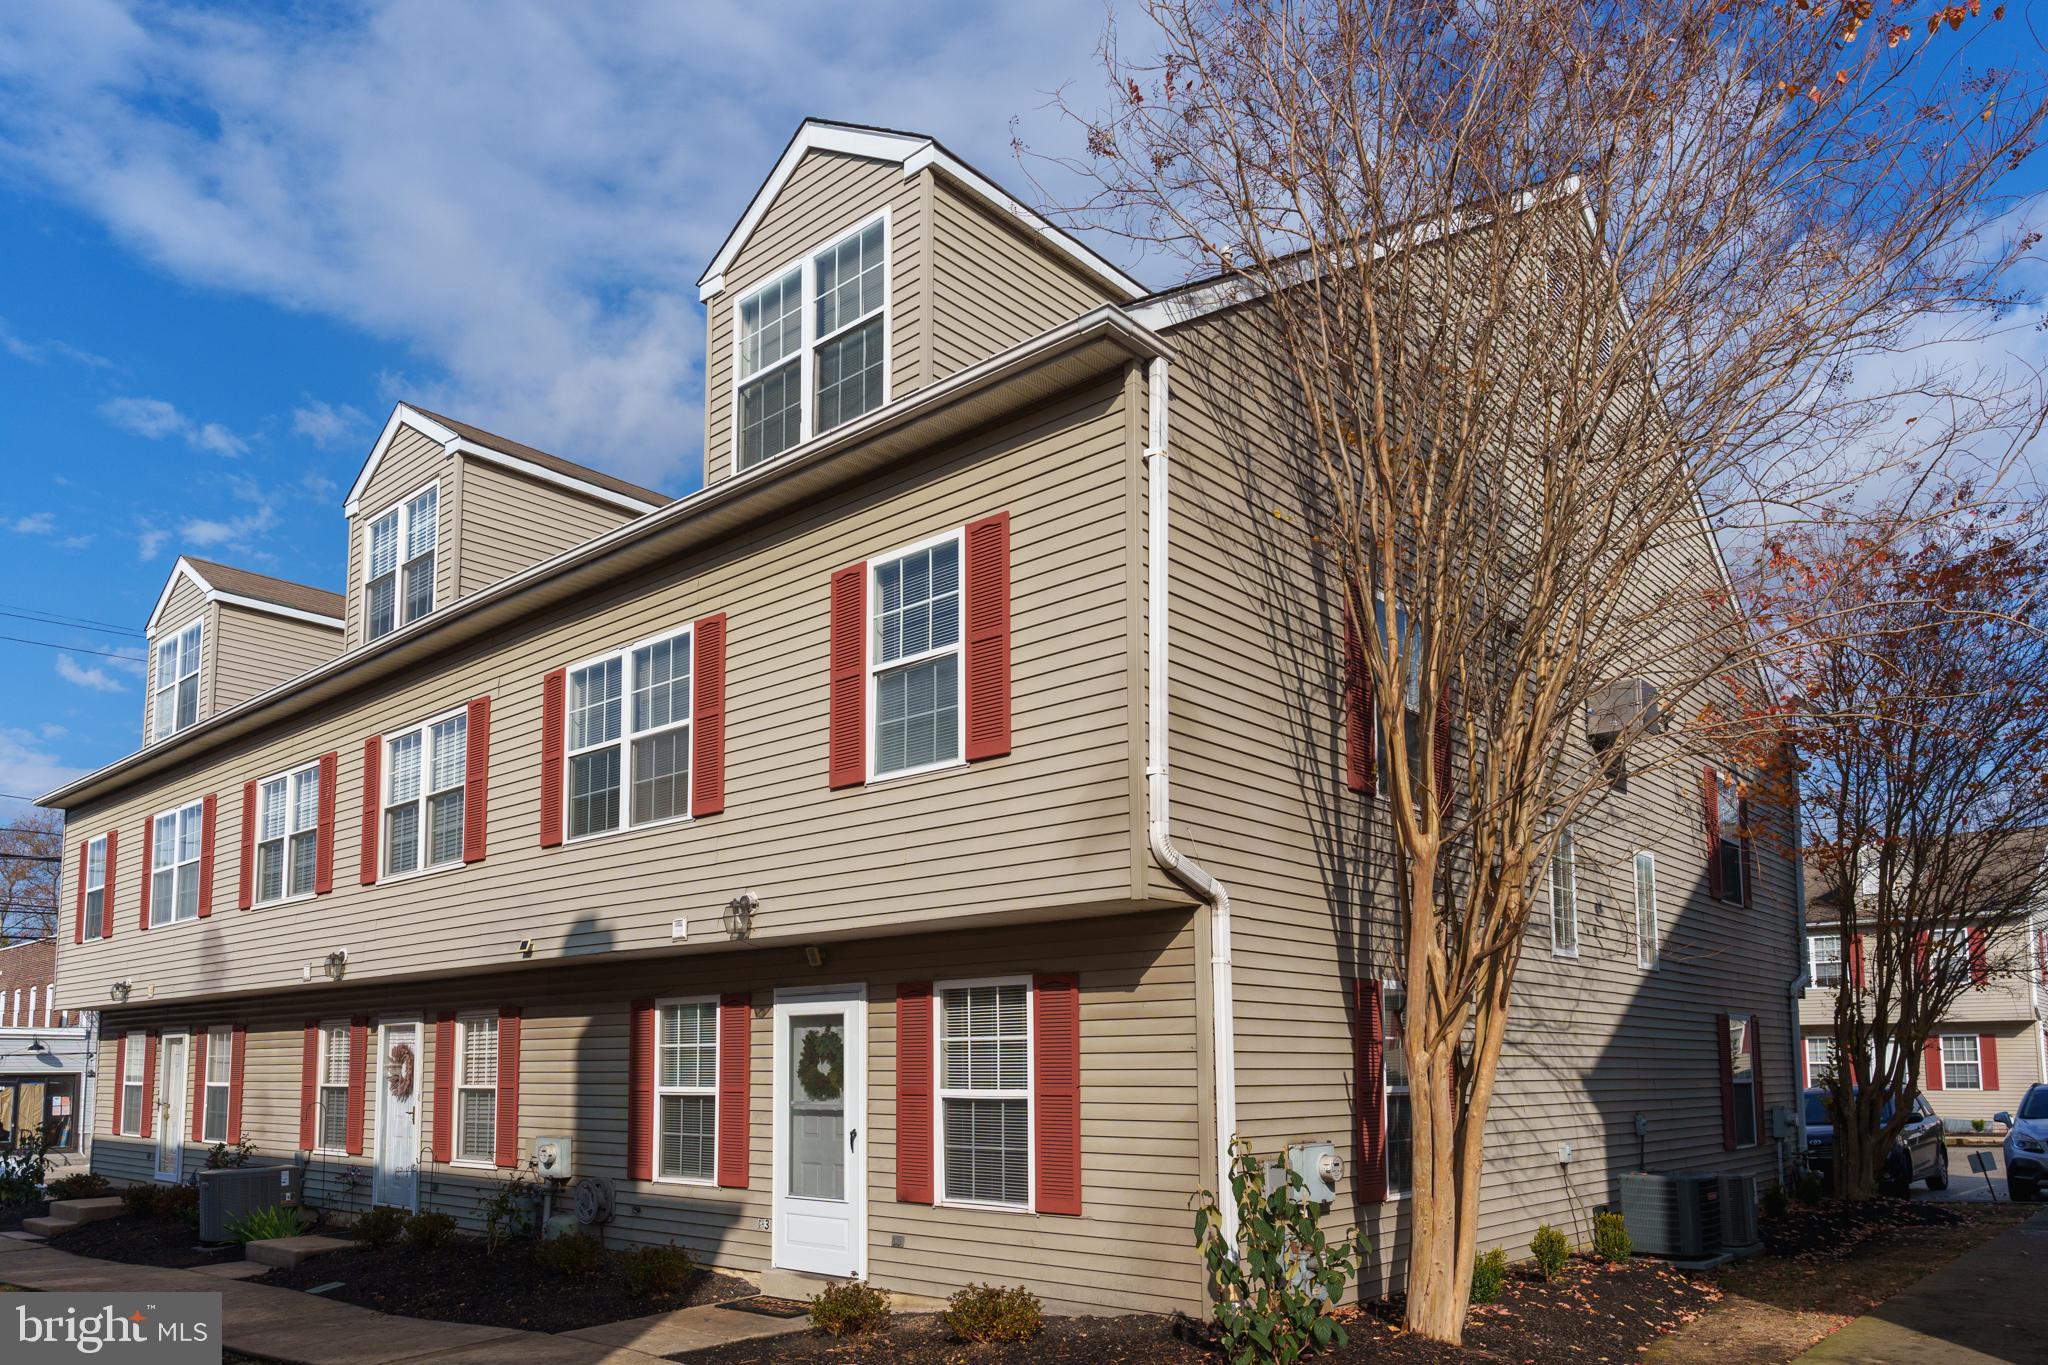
119, 992
336, 964
739, 914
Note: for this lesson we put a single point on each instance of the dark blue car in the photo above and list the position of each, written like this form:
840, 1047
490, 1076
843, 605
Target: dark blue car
1918, 1153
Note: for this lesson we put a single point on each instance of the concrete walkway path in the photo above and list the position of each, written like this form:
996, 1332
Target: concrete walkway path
306, 1329
1987, 1306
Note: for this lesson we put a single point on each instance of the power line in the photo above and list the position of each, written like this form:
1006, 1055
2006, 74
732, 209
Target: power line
73, 649
81, 620
74, 622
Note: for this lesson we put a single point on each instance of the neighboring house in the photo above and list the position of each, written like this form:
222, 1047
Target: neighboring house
796, 847
46, 1062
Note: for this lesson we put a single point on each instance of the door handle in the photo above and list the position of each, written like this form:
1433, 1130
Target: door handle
852, 1138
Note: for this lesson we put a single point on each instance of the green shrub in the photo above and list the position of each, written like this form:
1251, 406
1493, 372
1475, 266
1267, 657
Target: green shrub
381, 1226
264, 1225
1552, 1249
1611, 1241
228, 1156
24, 1169
179, 1201
1277, 1284
140, 1199
1489, 1275
1811, 1189
654, 1272
1775, 1202
984, 1312
854, 1308
79, 1185
509, 1210
1978, 1125
425, 1231
573, 1256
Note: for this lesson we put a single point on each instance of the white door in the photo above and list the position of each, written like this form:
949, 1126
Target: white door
174, 1084
820, 1130
397, 1078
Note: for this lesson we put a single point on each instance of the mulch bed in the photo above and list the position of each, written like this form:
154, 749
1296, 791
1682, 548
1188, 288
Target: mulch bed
140, 1240
459, 1282
12, 1215
1836, 1228
1589, 1313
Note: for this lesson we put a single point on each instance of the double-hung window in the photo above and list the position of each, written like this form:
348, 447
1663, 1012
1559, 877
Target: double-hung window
1820, 1058
174, 864
333, 1086
1742, 1097
220, 1073
686, 1091
810, 345
1400, 1125
287, 834
399, 578
985, 1092
95, 884
476, 1089
132, 1096
629, 737
1730, 845
1647, 929
1824, 956
1410, 636
914, 661
1962, 1066
177, 681
1564, 896
424, 769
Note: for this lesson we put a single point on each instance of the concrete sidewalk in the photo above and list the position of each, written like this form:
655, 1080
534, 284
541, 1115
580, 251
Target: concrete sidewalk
306, 1329
1986, 1307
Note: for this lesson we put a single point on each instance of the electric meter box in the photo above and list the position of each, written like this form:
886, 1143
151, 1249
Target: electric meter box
552, 1158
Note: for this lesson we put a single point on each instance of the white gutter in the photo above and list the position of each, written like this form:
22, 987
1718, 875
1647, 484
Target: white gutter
1223, 1043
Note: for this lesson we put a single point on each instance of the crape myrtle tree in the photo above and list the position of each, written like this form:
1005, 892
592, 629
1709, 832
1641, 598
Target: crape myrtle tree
1920, 749
1553, 289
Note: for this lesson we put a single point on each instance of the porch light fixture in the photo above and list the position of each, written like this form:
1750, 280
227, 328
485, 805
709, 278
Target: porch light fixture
739, 915
336, 964
119, 992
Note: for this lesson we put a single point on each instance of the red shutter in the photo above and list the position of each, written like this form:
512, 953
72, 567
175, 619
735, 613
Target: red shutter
553, 714
444, 1088
987, 581
508, 1086
848, 704
1856, 961
1368, 1094
1056, 1090
148, 844
1921, 944
107, 892
1987, 1060
1727, 1068
1361, 757
1930, 1065
373, 783
236, 1066
323, 845
476, 783
1710, 799
358, 1072
78, 929
1440, 755
208, 808
149, 1084
245, 878
1755, 1035
1980, 959
197, 1105
309, 1084
1748, 853
707, 717
914, 1092
735, 1060
120, 1079
640, 1102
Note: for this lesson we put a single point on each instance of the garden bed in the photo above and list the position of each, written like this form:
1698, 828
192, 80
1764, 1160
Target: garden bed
145, 1239
1835, 1227
458, 1281
13, 1215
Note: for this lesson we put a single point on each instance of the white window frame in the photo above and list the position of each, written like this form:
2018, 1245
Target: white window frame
1649, 947
285, 841
627, 734
1389, 990
389, 771
1817, 1068
811, 342
1728, 813
872, 646
941, 1093
1814, 960
159, 689
134, 1072
1975, 1061
463, 1024
220, 1044
1567, 846
163, 909
95, 885
328, 1083
1411, 694
402, 510
1741, 1088
691, 1091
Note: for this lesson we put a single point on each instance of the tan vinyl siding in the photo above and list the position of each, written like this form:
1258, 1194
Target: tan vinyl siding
511, 522
992, 286
187, 603
1128, 1249
260, 649
410, 463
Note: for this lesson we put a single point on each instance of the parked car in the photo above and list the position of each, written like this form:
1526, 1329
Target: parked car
2026, 1144
1918, 1153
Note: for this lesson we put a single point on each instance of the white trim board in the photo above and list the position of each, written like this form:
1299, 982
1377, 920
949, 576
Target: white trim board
184, 568
405, 415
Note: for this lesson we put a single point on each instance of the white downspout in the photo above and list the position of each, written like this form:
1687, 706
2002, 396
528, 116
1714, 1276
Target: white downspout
1183, 869
1793, 994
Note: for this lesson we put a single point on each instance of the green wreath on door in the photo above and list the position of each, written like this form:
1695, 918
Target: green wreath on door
821, 1066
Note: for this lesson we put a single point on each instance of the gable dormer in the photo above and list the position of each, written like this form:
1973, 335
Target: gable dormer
442, 509
869, 264
221, 635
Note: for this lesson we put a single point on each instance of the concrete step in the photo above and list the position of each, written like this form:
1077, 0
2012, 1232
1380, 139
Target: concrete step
75, 1211
47, 1227
290, 1251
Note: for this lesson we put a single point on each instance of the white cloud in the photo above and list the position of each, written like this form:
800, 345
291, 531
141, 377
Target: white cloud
37, 353
91, 676
209, 533
153, 419
29, 769
34, 524
325, 425
149, 542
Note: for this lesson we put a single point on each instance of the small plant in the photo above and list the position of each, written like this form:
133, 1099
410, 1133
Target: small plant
1489, 1275
573, 1256
854, 1308
23, 1170
79, 1185
655, 1272
1811, 1189
381, 1226
1776, 1203
228, 1156
140, 1199
179, 1201
1552, 1249
984, 1312
509, 1210
265, 1225
425, 1231
1611, 1242
1978, 1125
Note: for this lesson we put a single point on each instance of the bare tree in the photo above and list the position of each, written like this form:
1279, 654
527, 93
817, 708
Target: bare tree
31, 858
1550, 290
